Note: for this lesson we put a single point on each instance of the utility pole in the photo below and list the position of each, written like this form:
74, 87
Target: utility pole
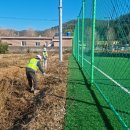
60, 30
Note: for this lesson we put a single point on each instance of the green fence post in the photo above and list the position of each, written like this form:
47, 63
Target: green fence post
76, 43
73, 46
83, 1
93, 41
78, 37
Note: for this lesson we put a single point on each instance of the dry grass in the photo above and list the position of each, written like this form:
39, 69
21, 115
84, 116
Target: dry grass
21, 109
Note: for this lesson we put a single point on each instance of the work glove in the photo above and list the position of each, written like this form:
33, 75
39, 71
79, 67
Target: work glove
43, 74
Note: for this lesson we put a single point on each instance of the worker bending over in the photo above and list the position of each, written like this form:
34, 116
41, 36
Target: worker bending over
31, 69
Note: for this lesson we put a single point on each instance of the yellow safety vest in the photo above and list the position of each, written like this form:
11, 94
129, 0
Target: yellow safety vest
33, 64
45, 54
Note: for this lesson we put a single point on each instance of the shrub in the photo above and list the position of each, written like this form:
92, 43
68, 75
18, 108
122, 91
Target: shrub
3, 48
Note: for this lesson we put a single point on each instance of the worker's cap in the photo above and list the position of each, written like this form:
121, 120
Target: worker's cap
39, 57
44, 49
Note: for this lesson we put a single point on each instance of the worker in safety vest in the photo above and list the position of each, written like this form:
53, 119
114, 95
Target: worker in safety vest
31, 68
45, 57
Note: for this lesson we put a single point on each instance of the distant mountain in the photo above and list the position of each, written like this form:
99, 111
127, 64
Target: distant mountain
67, 27
101, 28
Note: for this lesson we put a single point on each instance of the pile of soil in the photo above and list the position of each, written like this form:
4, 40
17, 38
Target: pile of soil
22, 110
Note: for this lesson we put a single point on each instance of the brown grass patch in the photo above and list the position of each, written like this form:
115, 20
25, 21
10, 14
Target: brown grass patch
21, 109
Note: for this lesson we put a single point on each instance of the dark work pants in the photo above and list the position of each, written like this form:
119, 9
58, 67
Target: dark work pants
31, 77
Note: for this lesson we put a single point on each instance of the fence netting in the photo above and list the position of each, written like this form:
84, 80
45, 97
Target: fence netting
101, 45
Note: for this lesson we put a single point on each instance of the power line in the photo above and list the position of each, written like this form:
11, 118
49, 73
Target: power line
29, 19
33, 19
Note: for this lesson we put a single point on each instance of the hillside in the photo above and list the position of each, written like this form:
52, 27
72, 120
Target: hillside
101, 28
67, 27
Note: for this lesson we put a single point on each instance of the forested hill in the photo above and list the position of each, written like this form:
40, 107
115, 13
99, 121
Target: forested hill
67, 27
101, 27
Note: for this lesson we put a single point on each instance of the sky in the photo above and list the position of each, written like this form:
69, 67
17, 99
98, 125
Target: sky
44, 14
36, 14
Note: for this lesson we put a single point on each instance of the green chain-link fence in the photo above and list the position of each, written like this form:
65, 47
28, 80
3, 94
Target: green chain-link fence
101, 46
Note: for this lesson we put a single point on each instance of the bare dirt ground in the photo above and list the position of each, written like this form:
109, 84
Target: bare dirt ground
22, 110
